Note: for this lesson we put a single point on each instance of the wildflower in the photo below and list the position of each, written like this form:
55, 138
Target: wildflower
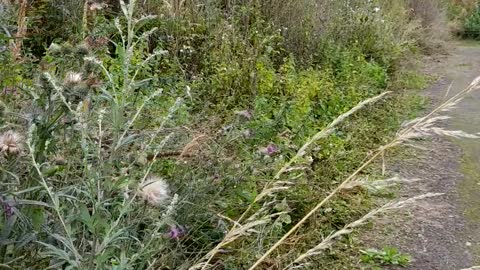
8, 209
376, 9
73, 78
176, 232
10, 143
270, 150
155, 191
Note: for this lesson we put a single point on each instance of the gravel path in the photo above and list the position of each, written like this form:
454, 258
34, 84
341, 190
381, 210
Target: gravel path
443, 233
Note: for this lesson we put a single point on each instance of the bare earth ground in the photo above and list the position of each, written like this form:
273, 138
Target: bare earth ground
442, 233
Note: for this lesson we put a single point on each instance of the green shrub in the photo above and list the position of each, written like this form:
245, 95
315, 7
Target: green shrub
472, 24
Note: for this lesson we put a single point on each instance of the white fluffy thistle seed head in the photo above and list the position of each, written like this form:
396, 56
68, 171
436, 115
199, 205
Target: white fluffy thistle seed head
155, 191
73, 78
10, 143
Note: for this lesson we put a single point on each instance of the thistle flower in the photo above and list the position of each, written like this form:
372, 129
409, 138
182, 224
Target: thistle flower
270, 150
73, 78
176, 232
10, 143
155, 191
8, 209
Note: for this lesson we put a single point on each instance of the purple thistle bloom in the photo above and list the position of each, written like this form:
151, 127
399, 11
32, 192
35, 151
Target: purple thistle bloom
270, 150
176, 232
8, 209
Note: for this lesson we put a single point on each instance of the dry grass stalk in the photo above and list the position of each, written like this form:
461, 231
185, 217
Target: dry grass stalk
194, 146
174, 6
21, 30
276, 185
417, 128
347, 229
378, 184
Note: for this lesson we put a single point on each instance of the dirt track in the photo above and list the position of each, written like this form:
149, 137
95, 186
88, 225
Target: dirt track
443, 233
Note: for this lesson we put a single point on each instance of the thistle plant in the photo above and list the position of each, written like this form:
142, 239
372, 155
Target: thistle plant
73, 197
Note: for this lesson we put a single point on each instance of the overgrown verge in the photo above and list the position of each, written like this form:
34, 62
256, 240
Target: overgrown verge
138, 141
465, 19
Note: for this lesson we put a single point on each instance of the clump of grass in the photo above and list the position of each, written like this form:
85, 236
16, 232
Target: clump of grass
417, 128
276, 185
386, 256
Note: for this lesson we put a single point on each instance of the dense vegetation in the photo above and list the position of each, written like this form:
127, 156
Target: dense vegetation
136, 136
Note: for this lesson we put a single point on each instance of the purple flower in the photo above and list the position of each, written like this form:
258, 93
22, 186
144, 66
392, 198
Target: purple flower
270, 150
176, 232
9, 90
8, 209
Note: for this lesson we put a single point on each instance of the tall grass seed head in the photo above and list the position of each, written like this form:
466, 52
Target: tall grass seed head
155, 191
10, 143
176, 232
